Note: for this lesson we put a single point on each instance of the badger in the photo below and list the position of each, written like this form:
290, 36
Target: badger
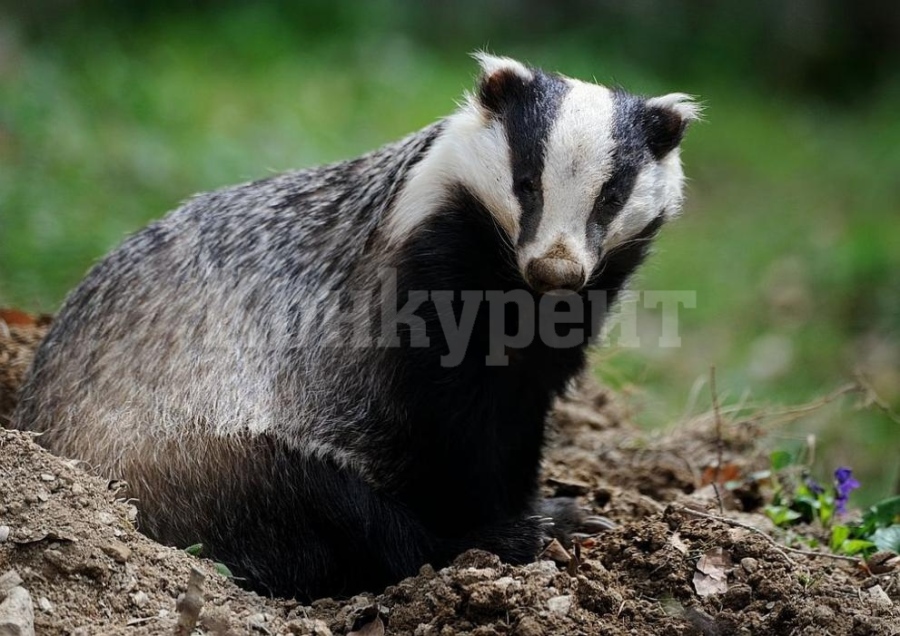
274, 368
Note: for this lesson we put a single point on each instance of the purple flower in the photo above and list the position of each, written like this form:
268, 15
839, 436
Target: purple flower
844, 484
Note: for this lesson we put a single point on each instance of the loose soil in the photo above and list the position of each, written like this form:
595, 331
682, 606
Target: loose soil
663, 570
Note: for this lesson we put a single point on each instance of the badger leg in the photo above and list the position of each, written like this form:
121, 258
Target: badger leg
285, 522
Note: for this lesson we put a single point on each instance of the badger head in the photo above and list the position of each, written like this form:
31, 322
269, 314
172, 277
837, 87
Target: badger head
569, 170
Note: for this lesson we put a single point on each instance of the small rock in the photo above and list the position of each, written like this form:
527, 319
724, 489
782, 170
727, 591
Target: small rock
8, 581
48, 477
559, 604
471, 576
308, 627
105, 518
17, 613
878, 596
487, 596
738, 596
77, 489
528, 626
4, 533
140, 598
45, 605
749, 565
257, 619
58, 559
216, 620
117, 551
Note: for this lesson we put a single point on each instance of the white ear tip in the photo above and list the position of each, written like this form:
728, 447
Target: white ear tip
685, 105
491, 64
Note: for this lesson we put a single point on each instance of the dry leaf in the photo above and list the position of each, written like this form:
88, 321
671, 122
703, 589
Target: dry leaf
555, 552
728, 472
676, 542
711, 576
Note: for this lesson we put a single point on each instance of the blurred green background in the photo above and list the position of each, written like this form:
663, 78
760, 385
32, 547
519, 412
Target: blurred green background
113, 112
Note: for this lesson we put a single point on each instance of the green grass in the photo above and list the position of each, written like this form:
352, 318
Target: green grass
790, 236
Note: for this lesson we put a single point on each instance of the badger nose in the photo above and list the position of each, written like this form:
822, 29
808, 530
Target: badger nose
548, 273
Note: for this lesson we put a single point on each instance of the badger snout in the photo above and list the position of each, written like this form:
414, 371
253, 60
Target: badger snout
551, 273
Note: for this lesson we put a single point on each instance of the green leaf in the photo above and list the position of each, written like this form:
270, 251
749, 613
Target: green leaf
222, 569
884, 513
780, 459
781, 515
194, 550
855, 546
839, 534
887, 538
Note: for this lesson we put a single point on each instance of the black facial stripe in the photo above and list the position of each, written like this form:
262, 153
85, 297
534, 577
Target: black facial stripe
528, 117
629, 156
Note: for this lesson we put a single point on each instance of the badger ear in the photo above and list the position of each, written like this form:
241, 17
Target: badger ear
665, 120
501, 77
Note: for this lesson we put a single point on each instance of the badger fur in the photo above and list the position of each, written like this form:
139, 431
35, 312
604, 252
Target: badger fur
213, 360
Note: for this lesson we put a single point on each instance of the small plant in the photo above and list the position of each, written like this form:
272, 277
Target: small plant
196, 550
808, 501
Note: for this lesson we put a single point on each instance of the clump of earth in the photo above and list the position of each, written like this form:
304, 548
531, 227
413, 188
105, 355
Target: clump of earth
686, 557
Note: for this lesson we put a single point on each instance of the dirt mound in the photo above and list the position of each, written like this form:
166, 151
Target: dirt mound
666, 569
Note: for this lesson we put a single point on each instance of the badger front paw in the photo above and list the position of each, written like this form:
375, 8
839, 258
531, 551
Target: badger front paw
565, 520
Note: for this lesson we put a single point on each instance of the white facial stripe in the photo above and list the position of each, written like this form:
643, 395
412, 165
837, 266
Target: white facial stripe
658, 188
471, 150
577, 161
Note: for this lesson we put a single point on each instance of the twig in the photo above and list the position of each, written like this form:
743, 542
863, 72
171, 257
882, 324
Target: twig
778, 547
718, 415
794, 412
872, 397
140, 621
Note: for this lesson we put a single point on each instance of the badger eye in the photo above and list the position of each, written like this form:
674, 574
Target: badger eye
527, 185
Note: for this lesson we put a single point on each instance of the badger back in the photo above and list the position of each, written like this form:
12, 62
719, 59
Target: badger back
196, 324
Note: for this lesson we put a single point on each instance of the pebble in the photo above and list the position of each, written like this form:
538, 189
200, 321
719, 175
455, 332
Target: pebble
217, 620
17, 613
45, 605
48, 477
258, 621
878, 596
559, 604
105, 518
8, 581
309, 627
749, 565
528, 627
117, 551
140, 598
77, 489
4, 533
